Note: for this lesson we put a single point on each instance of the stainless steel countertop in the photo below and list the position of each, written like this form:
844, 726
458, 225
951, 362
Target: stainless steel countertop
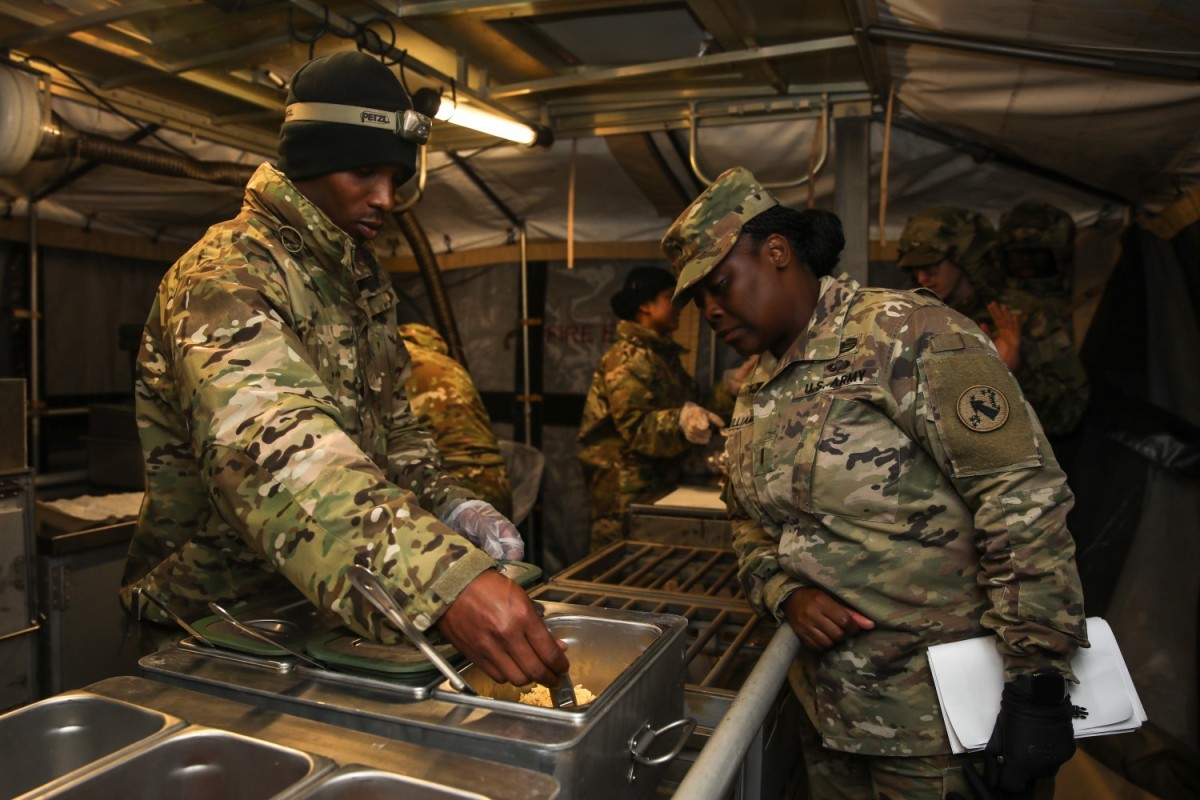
494, 780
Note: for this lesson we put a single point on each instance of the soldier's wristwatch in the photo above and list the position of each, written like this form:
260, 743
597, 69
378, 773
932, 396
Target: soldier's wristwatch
1048, 688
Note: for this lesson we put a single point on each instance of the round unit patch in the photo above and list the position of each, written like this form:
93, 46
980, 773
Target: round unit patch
983, 408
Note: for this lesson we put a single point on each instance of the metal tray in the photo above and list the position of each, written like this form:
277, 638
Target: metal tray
656, 569
345, 648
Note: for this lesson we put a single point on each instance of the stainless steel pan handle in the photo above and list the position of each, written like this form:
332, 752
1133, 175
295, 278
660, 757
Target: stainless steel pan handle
644, 739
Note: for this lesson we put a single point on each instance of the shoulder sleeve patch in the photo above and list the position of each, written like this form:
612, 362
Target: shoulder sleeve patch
979, 413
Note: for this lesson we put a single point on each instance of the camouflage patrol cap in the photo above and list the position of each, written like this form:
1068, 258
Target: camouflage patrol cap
935, 234
965, 237
707, 229
940, 233
1036, 226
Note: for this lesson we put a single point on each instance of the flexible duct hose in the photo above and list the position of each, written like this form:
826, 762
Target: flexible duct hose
61, 140
432, 277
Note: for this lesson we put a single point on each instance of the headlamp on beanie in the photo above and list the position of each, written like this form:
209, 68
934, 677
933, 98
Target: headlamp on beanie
345, 111
408, 124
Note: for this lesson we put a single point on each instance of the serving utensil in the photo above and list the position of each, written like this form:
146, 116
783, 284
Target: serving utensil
373, 589
563, 695
250, 631
163, 607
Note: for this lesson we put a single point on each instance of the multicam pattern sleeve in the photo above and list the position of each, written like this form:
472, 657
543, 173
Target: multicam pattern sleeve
278, 443
1007, 475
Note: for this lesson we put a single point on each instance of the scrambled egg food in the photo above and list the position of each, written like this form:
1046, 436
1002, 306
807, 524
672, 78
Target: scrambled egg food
540, 696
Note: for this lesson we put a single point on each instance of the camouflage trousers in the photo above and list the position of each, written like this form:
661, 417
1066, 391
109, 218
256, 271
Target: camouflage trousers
834, 775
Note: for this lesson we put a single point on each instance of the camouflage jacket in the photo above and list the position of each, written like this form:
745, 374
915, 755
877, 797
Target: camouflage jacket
278, 441
889, 458
1050, 372
629, 439
445, 400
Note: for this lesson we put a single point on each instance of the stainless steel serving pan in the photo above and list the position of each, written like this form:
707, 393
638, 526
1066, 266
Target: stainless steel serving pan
43, 743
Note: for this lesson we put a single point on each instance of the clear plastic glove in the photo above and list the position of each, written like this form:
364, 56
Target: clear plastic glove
697, 423
490, 530
736, 377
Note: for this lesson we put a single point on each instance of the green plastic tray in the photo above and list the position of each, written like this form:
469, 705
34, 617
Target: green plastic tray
291, 618
345, 648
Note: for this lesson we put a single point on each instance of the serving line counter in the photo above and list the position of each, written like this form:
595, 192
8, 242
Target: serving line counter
616, 746
659, 631
135, 738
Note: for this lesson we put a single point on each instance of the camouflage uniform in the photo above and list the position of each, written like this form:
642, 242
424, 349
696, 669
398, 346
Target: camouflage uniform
1050, 373
445, 400
889, 458
278, 441
629, 440
1040, 226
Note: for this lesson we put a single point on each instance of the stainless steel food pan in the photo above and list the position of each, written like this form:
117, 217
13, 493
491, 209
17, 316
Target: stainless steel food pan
356, 782
42, 743
196, 763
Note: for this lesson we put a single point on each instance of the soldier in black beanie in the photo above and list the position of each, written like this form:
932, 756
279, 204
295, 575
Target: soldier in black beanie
356, 85
279, 444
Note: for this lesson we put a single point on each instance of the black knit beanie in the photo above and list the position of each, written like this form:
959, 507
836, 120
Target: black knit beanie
309, 148
642, 284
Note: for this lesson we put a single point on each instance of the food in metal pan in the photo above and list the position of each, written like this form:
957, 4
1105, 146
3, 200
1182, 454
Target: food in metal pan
540, 696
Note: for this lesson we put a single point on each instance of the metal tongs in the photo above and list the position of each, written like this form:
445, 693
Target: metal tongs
250, 631
373, 589
139, 593
562, 695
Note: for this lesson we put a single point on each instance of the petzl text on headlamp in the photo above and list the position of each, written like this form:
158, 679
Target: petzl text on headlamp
408, 124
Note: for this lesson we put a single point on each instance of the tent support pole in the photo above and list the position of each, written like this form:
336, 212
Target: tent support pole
852, 191
35, 365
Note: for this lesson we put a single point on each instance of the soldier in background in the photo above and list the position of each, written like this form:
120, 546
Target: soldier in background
445, 400
890, 491
952, 252
279, 444
1037, 243
643, 409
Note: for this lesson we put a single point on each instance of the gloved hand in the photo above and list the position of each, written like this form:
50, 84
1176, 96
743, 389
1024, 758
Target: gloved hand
487, 528
1033, 737
736, 377
697, 423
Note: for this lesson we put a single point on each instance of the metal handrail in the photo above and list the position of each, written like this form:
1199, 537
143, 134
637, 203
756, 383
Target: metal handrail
711, 774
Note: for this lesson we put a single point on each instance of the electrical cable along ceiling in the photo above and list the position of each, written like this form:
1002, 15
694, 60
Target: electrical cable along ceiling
1092, 102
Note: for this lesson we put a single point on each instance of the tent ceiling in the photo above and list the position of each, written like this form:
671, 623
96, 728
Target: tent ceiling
1101, 94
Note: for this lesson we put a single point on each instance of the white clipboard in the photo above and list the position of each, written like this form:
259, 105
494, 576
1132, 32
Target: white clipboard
969, 677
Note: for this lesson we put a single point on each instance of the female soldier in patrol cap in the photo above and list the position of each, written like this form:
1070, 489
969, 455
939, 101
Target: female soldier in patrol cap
891, 490
641, 412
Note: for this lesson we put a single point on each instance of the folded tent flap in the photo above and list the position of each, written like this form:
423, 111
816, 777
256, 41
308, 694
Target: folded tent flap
525, 464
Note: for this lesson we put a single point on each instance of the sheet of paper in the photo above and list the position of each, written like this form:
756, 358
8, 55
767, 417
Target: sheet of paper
969, 676
693, 497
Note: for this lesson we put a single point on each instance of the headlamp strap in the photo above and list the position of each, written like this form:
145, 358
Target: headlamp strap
408, 124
